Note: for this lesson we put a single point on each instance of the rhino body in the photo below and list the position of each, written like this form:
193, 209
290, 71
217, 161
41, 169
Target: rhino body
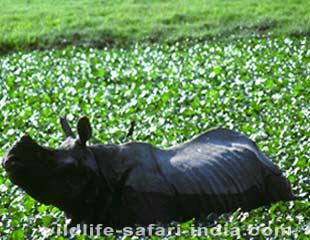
136, 183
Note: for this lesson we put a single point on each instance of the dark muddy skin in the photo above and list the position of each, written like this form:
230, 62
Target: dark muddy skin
136, 183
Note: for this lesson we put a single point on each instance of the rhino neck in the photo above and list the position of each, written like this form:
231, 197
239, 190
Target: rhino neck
94, 202
110, 163
113, 171
94, 197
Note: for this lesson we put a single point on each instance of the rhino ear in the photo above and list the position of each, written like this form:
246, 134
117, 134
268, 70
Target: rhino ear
66, 127
84, 130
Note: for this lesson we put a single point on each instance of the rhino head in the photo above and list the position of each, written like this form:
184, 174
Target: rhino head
61, 176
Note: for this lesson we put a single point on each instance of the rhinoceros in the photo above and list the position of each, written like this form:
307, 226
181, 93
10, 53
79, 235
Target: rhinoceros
217, 171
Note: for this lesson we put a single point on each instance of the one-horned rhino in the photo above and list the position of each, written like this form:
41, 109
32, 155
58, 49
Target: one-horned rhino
217, 171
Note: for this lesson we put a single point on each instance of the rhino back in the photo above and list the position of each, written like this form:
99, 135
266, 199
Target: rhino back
218, 171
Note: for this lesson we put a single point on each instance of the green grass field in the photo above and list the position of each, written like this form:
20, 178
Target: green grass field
260, 87
39, 24
246, 67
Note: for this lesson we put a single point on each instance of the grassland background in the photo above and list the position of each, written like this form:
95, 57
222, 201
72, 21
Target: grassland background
39, 24
260, 87
173, 89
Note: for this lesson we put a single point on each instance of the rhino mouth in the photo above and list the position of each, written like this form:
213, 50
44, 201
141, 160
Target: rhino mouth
13, 166
11, 163
27, 176
24, 171
15, 169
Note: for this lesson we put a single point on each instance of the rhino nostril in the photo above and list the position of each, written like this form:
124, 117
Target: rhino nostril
10, 162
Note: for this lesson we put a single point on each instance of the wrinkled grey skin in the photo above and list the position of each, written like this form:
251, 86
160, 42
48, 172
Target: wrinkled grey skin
136, 183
